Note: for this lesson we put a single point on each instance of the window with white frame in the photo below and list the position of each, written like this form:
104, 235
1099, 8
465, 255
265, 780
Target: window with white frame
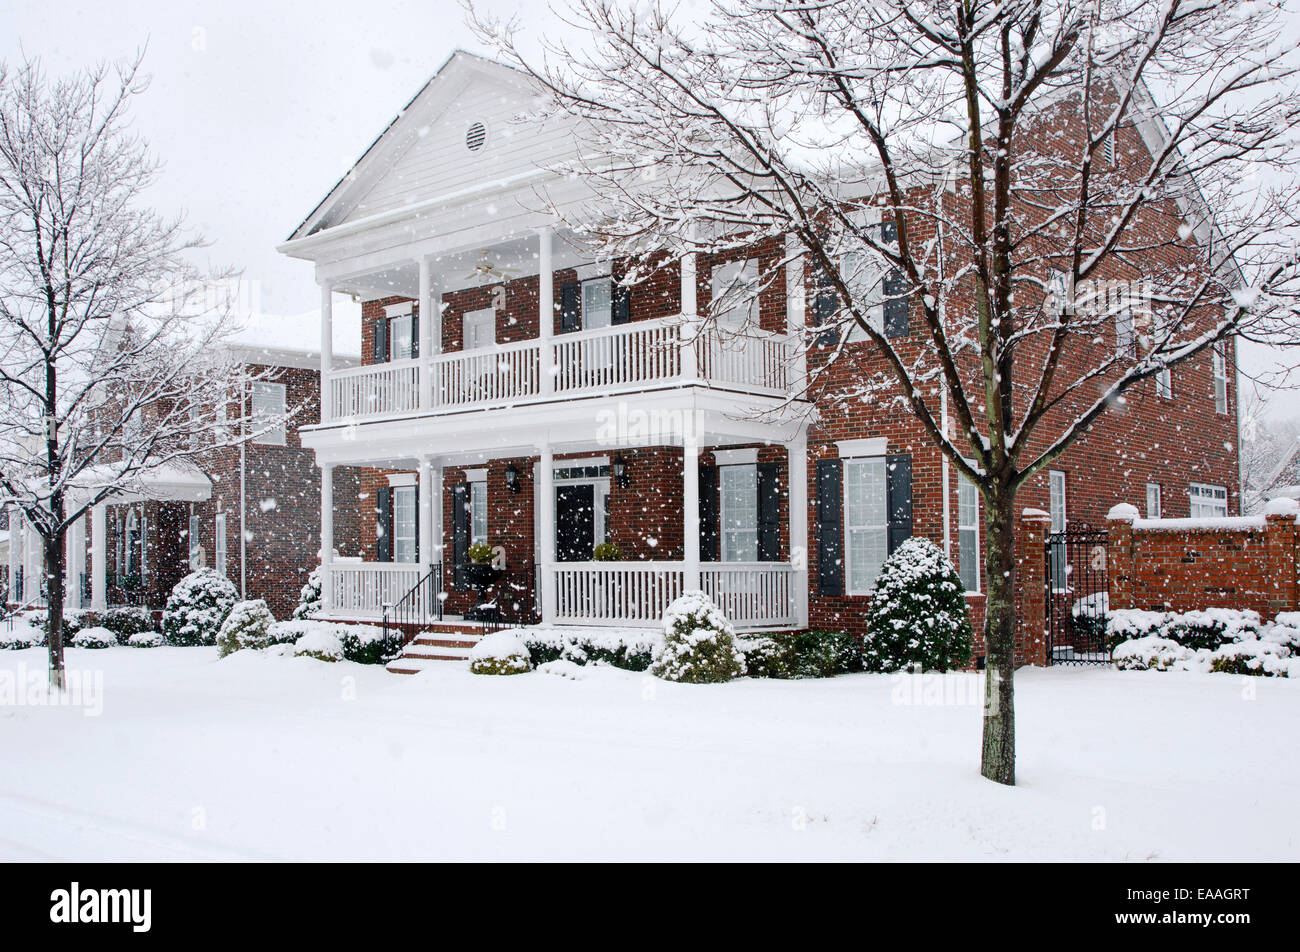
597, 301
478, 512
866, 522
404, 524
219, 543
1165, 384
1058, 566
1220, 360
734, 293
1208, 501
269, 406
196, 551
1153, 500
479, 328
968, 533
1121, 310
738, 496
401, 339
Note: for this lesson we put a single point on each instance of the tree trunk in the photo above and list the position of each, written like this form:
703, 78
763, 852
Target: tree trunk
998, 754
55, 572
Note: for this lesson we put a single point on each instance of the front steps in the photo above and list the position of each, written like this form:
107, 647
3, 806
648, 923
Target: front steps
447, 641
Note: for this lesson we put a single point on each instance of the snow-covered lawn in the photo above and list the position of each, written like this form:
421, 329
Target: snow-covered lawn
259, 757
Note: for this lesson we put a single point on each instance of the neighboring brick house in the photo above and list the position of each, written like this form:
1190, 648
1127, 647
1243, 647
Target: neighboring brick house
250, 511
543, 409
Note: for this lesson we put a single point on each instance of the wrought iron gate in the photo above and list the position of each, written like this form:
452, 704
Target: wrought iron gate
1077, 595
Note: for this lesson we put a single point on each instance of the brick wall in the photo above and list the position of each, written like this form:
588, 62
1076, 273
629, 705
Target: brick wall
1173, 565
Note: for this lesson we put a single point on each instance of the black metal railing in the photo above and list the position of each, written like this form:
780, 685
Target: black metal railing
510, 601
1077, 593
422, 605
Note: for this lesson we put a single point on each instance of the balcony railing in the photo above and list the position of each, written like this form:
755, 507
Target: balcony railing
622, 359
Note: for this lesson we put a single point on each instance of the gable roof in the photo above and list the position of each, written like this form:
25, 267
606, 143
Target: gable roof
402, 129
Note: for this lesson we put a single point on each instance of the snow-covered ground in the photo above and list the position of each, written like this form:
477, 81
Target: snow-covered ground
259, 757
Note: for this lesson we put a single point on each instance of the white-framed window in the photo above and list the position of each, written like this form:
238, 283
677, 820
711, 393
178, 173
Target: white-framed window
479, 328
738, 497
219, 543
478, 512
269, 404
1220, 361
968, 534
401, 342
734, 293
404, 524
1056, 510
866, 522
196, 550
1207, 501
597, 303
1153, 500
1165, 384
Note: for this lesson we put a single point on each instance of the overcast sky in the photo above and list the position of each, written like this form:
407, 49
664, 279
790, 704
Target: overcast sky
257, 109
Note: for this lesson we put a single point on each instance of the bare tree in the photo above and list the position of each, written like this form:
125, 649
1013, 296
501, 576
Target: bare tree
109, 358
1070, 196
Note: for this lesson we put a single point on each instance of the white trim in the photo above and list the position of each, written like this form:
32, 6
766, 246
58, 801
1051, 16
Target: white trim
740, 457
874, 446
476, 475
562, 463
399, 310
589, 272
403, 479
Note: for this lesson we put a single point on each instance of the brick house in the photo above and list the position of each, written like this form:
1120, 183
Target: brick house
512, 393
249, 511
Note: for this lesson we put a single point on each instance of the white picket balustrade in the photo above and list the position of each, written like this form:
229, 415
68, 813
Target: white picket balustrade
751, 594
362, 589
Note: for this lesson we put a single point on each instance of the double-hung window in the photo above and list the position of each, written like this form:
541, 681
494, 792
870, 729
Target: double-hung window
866, 521
219, 543
1056, 510
269, 412
1208, 501
196, 551
1153, 500
734, 293
478, 512
401, 338
968, 534
1165, 384
404, 524
480, 328
1220, 360
738, 495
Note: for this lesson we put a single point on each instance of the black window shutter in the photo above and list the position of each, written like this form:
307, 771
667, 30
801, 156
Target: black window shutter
415, 334
830, 529
769, 513
710, 540
621, 312
381, 341
570, 307
384, 524
826, 304
888, 230
898, 476
459, 535
896, 303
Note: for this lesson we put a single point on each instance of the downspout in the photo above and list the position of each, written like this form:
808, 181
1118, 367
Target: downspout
243, 470
943, 417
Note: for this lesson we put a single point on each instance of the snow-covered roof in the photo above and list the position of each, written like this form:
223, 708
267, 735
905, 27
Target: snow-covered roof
294, 339
179, 481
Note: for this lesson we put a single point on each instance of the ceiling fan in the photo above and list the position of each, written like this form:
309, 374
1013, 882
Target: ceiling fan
487, 270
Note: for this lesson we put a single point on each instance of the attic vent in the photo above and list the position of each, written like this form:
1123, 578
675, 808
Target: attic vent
475, 136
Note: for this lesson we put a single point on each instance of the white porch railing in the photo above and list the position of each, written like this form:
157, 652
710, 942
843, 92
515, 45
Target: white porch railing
620, 359
362, 589
615, 593
751, 594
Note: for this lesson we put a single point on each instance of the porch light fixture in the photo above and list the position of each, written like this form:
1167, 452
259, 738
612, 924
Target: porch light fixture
619, 469
512, 478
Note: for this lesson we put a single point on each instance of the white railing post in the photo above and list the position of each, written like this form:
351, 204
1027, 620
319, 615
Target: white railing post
426, 493
690, 514
796, 312
99, 555
546, 526
797, 474
326, 351
690, 341
326, 537
545, 311
426, 318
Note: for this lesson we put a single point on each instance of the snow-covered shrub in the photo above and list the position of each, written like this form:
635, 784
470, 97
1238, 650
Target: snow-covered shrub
1259, 658
1088, 617
699, 644
502, 652
288, 632
125, 622
1285, 632
248, 625
630, 650
147, 639
918, 613
1132, 624
1148, 652
366, 644
97, 637
197, 606
21, 636
1213, 627
765, 657
823, 654
321, 643
309, 599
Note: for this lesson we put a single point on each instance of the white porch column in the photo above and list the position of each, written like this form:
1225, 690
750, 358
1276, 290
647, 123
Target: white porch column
326, 350
34, 574
546, 526
796, 455
690, 319
427, 318
690, 515
75, 560
425, 493
15, 554
545, 308
795, 311
99, 557
326, 536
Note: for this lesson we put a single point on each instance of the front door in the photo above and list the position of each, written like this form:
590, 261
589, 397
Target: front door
575, 522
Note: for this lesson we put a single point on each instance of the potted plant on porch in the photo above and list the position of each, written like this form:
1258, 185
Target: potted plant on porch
481, 573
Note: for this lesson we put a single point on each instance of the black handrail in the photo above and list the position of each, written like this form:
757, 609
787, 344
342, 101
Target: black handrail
422, 605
